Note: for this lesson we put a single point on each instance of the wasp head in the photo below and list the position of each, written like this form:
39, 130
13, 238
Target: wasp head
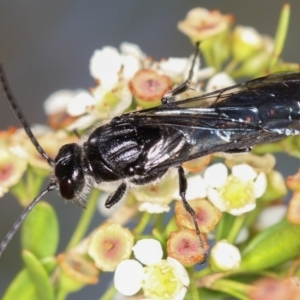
69, 171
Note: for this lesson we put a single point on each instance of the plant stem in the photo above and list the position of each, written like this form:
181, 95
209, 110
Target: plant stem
223, 227
85, 219
142, 224
62, 295
233, 288
109, 293
235, 229
193, 287
202, 273
281, 33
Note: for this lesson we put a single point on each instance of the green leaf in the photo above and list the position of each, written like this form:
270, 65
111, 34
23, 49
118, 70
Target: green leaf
40, 231
272, 247
21, 288
39, 276
281, 33
49, 263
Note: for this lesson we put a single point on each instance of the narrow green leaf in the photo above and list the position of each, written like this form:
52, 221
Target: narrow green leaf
21, 288
281, 33
40, 231
39, 276
274, 246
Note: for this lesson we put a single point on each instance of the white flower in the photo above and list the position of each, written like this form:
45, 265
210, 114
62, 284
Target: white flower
196, 188
128, 277
225, 256
79, 103
75, 103
159, 279
105, 65
154, 208
131, 56
248, 35
181, 271
236, 193
130, 66
260, 184
174, 67
111, 103
58, 101
219, 81
148, 251
216, 175
133, 50
82, 122
167, 279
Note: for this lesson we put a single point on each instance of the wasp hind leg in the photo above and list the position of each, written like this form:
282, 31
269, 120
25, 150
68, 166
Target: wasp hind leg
188, 208
165, 100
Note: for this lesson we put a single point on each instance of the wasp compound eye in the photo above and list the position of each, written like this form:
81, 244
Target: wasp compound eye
69, 172
66, 188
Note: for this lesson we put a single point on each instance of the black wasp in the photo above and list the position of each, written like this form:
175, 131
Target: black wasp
139, 147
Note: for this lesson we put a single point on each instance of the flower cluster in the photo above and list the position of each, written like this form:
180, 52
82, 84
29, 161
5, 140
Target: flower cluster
236, 201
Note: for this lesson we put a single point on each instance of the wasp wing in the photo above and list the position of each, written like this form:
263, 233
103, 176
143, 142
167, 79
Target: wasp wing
237, 117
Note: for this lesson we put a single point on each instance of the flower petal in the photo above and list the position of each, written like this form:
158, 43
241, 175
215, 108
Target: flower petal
105, 65
180, 270
78, 104
154, 208
57, 102
242, 210
225, 256
128, 277
244, 172
260, 184
216, 175
219, 81
148, 251
196, 188
132, 49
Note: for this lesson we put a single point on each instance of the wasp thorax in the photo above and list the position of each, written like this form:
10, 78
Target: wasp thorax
69, 172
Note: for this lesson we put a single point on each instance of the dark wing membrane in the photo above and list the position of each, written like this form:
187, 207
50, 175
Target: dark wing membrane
261, 110
252, 92
194, 134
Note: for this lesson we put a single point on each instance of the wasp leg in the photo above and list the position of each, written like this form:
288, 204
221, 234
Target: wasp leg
116, 196
183, 86
188, 208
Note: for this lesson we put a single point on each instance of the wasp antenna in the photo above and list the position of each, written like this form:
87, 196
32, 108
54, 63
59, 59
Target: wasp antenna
24, 214
20, 116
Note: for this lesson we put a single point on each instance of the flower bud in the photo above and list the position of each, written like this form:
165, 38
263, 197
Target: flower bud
109, 245
184, 246
148, 87
201, 24
225, 256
